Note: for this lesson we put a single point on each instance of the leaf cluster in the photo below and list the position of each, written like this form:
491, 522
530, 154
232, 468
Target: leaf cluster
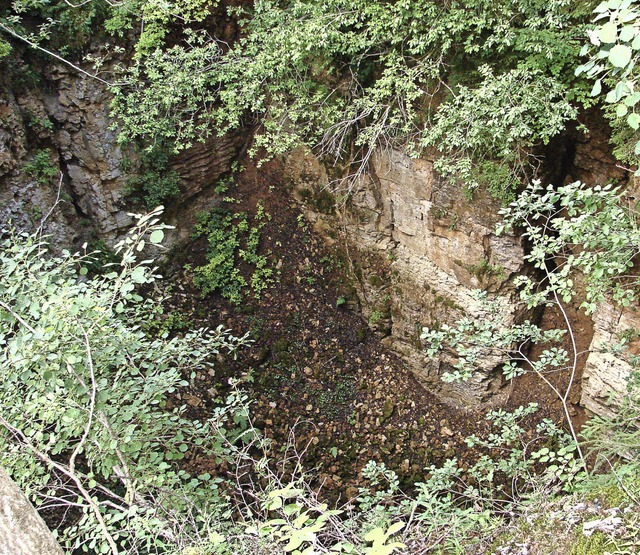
343, 75
614, 50
234, 240
154, 183
86, 423
577, 230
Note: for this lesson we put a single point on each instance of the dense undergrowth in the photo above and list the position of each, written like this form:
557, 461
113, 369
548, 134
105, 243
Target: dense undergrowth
485, 83
99, 434
93, 425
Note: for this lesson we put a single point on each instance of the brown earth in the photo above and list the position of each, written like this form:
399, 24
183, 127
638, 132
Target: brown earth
317, 371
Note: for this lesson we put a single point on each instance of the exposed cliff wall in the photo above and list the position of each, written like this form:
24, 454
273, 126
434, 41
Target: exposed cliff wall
417, 246
606, 373
419, 249
63, 127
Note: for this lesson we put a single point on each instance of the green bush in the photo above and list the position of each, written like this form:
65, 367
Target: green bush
409, 75
86, 423
154, 184
233, 240
614, 52
41, 167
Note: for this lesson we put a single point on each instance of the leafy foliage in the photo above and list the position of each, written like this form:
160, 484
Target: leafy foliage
85, 423
5, 49
41, 168
332, 73
483, 82
232, 239
154, 183
457, 509
592, 231
500, 119
575, 233
614, 53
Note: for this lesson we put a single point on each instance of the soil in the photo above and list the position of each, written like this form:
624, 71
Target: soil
531, 388
319, 377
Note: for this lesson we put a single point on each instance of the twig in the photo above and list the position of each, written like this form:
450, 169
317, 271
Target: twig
52, 54
92, 402
95, 509
17, 317
624, 488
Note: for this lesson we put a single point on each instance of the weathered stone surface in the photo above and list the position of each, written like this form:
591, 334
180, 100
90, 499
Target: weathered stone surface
604, 380
89, 153
69, 123
82, 145
200, 168
22, 531
422, 249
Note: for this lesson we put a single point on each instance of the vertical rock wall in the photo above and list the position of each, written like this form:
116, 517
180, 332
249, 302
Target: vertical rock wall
419, 248
604, 380
605, 374
63, 128
68, 120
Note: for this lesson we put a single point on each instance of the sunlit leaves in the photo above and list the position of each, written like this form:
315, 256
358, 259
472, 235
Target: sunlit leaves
333, 75
80, 375
613, 61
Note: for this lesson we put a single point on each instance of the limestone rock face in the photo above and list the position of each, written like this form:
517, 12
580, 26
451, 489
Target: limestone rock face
421, 249
88, 150
65, 131
604, 380
199, 168
25, 199
68, 126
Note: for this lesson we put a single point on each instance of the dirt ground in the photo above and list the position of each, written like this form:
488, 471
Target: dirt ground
318, 373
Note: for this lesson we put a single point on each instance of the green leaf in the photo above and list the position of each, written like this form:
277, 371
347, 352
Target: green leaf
273, 504
636, 42
597, 88
138, 275
621, 110
156, 237
620, 55
608, 33
627, 33
634, 121
632, 99
601, 8
395, 528
294, 542
376, 535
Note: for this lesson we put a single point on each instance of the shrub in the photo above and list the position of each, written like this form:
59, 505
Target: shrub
41, 167
232, 240
86, 423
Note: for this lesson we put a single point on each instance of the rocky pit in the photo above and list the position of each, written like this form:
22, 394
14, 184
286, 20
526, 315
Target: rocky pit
337, 363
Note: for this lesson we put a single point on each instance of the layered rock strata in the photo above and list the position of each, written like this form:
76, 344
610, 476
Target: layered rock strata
419, 249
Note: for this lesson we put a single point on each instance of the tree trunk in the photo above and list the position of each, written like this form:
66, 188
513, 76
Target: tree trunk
22, 531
